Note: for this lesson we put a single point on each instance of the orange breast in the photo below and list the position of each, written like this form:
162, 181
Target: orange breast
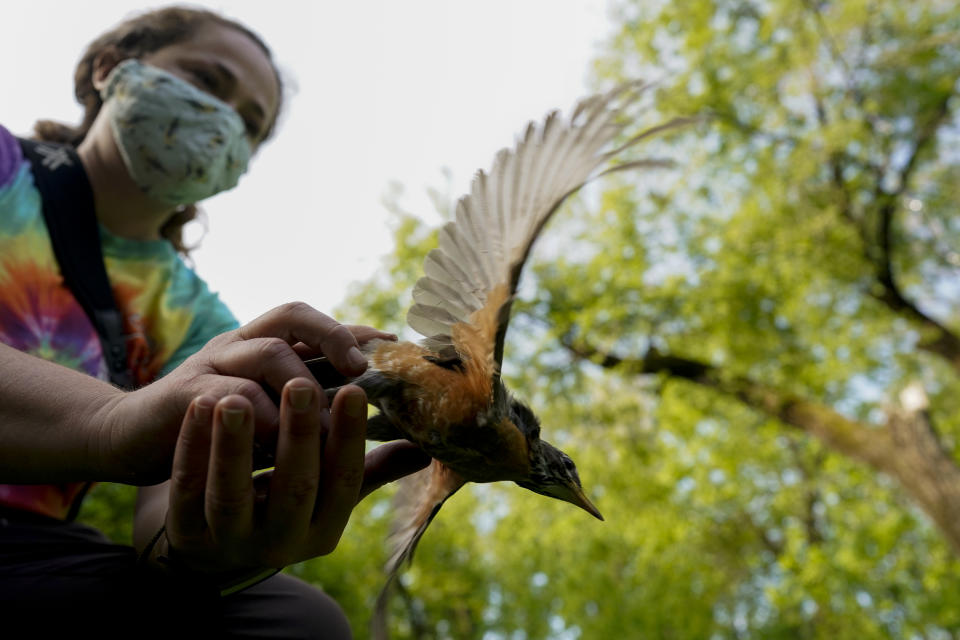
436, 397
447, 411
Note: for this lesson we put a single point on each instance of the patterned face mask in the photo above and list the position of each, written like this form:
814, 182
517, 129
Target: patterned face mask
180, 144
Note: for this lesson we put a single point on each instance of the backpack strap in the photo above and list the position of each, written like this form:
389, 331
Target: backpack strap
75, 236
71, 220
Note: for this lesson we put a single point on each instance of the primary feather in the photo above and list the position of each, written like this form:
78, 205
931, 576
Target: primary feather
496, 224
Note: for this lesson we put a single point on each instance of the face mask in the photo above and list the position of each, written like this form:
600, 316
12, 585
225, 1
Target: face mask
180, 144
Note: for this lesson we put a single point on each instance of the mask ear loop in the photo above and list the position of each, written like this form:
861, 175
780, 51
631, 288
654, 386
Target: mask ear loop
121, 68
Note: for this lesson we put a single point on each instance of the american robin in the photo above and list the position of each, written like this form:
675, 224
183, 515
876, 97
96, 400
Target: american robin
446, 393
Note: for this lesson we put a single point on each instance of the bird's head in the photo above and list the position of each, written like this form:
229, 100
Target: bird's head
552, 472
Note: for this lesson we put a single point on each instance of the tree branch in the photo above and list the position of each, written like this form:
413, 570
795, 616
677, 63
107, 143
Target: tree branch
811, 494
849, 84
889, 199
907, 448
943, 341
783, 138
879, 249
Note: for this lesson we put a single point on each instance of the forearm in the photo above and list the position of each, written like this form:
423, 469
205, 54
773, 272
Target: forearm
59, 425
50, 421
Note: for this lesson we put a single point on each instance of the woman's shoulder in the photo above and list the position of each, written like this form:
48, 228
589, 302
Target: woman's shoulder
20, 202
11, 157
191, 290
209, 315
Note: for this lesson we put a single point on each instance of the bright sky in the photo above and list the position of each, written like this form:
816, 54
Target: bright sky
385, 91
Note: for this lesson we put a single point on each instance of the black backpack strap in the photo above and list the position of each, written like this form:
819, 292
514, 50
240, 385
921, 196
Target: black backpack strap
72, 224
75, 236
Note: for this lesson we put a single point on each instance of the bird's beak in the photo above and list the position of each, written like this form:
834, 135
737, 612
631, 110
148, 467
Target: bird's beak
574, 495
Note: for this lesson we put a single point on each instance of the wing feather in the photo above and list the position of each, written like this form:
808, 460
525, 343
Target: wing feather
468, 237
442, 268
495, 225
430, 321
416, 504
436, 293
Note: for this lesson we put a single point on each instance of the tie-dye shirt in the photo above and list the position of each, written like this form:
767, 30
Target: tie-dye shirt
168, 311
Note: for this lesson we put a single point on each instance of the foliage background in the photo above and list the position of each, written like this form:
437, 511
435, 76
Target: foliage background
803, 255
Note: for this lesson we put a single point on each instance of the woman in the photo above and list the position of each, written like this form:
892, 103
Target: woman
176, 101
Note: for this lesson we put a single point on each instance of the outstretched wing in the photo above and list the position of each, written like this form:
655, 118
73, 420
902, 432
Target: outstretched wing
473, 273
417, 502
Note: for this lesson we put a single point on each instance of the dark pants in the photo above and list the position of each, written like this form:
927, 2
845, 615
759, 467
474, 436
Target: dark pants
60, 577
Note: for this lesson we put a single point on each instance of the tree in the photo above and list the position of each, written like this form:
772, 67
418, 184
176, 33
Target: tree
826, 211
754, 358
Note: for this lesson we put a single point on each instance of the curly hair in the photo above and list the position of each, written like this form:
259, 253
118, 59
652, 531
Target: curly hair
134, 38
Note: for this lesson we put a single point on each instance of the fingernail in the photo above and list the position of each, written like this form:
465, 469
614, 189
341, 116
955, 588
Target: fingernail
356, 359
300, 397
355, 405
202, 411
393, 337
233, 418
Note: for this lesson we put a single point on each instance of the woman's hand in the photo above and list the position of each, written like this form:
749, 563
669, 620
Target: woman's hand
138, 430
220, 518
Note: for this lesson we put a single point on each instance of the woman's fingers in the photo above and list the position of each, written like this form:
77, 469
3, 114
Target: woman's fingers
364, 333
295, 479
265, 410
342, 474
298, 322
268, 361
188, 478
321, 473
229, 497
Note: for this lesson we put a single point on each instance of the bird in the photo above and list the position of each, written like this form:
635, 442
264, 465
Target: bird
446, 393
